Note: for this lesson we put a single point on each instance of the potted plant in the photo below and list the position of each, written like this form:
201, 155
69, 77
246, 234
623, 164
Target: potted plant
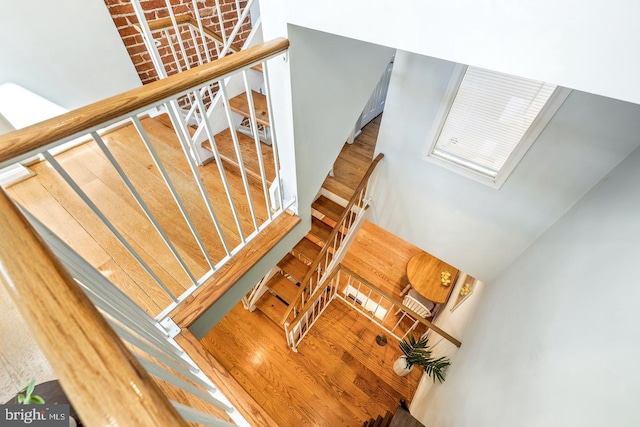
417, 352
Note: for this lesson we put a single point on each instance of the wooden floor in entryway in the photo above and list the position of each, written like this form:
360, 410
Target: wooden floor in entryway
339, 377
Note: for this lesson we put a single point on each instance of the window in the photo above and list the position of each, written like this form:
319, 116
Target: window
489, 120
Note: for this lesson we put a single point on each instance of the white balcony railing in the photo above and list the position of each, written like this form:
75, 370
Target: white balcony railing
104, 380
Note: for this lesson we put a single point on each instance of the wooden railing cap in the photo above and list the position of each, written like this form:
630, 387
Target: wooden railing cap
42, 134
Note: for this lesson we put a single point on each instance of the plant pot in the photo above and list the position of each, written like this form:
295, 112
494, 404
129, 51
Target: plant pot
400, 366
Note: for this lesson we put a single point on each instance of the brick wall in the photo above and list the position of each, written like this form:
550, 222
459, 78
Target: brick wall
124, 18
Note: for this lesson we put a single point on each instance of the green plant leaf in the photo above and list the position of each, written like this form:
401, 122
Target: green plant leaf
418, 352
31, 386
37, 399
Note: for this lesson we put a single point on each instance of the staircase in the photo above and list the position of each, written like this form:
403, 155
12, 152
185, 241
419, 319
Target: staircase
235, 146
283, 287
293, 290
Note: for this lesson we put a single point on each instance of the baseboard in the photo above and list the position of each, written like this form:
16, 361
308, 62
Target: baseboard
14, 174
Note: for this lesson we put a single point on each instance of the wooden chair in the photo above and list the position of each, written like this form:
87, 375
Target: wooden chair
418, 304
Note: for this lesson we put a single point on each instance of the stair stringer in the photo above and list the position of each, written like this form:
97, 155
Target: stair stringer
249, 302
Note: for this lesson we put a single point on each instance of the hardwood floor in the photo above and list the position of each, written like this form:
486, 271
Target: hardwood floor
381, 258
339, 377
54, 203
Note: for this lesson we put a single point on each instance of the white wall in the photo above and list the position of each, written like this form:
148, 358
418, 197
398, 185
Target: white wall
67, 51
472, 226
457, 323
318, 96
554, 342
332, 78
588, 46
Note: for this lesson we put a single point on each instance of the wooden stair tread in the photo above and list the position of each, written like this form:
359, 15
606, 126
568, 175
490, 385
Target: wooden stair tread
293, 267
320, 232
240, 104
222, 280
272, 307
283, 287
328, 208
307, 249
339, 189
224, 142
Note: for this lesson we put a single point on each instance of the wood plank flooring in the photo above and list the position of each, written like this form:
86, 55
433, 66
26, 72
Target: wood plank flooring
52, 201
339, 377
380, 258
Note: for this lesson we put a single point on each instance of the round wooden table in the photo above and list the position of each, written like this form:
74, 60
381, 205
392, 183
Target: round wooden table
423, 271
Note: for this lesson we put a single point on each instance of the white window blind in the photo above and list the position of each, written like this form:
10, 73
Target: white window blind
490, 114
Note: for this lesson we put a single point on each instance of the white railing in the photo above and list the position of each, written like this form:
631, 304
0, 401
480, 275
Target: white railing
151, 344
183, 41
180, 42
332, 251
167, 213
367, 299
315, 306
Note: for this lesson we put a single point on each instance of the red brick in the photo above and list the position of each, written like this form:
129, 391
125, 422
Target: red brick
153, 4
116, 10
121, 10
136, 49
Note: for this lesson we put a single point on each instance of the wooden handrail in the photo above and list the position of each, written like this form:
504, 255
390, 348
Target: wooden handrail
40, 135
334, 232
104, 382
399, 303
162, 23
